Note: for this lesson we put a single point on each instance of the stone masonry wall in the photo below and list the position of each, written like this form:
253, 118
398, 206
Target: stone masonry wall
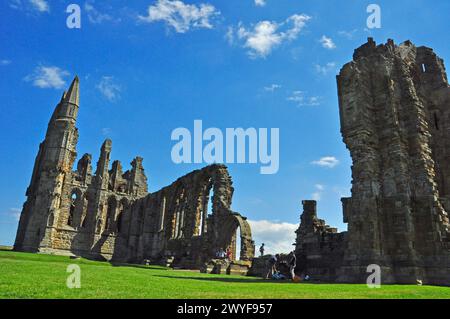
109, 214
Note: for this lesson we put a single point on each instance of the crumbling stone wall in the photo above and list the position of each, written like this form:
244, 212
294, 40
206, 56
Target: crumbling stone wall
395, 107
111, 215
394, 103
174, 223
319, 247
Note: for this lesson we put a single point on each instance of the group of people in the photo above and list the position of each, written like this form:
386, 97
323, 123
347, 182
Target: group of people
272, 271
224, 254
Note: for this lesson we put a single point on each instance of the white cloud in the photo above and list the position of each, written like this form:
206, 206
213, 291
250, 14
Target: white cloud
109, 88
182, 17
46, 77
301, 99
267, 35
94, 15
260, 3
317, 195
230, 35
40, 5
5, 62
327, 43
30, 5
348, 34
272, 87
327, 161
278, 237
324, 69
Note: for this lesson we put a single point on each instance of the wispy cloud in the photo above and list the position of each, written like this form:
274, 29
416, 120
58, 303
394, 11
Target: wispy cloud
109, 88
327, 43
180, 16
327, 161
325, 69
348, 34
260, 3
278, 237
5, 62
106, 131
13, 213
302, 99
272, 87
317, 195
40, 6
94, 15
229, 36
48, 77
262, 38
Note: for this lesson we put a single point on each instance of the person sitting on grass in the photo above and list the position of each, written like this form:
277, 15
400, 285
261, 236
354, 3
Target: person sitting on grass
221, 254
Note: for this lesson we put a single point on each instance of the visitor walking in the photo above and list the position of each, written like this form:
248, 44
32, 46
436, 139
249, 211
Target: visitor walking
271, 265
261, 249
229, 254
292, 264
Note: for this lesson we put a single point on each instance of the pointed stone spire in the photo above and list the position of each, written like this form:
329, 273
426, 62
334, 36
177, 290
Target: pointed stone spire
63, 96
73, 95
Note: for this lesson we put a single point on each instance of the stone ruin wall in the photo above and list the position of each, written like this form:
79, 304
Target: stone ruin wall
110, 214
394, 103
174, 223
319, 247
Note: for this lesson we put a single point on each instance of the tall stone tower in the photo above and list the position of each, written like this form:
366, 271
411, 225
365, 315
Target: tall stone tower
52, 166
395, 120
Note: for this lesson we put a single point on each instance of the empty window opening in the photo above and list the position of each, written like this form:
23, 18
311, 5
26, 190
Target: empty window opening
424, 68
238, 244
110, 213
73, 200
436, 121
50, 220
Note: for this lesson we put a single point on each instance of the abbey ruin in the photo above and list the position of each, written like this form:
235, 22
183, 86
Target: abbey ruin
110, 215
394, 103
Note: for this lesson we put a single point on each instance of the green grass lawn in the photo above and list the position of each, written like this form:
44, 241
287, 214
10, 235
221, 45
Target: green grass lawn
25, 275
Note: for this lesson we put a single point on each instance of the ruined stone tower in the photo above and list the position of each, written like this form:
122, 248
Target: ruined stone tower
52, 166
395, 120
111, 215
394, 103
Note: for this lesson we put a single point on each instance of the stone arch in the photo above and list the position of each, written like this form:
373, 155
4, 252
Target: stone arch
227, 237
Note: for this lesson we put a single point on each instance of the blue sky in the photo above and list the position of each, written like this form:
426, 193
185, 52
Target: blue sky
145, 72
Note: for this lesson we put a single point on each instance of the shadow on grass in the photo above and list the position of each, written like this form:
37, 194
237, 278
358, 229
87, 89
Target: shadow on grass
231, 280
117, 264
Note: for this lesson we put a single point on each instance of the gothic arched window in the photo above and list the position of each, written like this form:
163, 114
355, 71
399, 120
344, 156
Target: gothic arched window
73, 201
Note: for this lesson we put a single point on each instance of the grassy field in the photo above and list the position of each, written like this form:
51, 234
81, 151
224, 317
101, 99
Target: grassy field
42, 276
